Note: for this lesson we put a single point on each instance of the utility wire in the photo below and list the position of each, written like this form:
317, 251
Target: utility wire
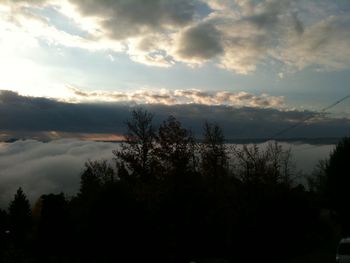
307, 118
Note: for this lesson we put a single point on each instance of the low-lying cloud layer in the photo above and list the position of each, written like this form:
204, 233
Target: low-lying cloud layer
42, 168
42, 118
236, 35
54, 167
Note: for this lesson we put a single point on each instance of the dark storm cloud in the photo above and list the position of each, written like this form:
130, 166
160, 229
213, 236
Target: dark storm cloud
254, 122
20, 115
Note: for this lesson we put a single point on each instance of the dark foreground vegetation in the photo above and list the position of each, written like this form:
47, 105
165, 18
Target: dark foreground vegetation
171, 199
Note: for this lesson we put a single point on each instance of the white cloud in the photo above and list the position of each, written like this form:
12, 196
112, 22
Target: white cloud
324, 44
151, 50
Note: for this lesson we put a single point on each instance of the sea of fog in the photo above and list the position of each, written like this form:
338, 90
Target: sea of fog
55, 166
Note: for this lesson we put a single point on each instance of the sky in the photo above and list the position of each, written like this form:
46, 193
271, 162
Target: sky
76, 68
71, 72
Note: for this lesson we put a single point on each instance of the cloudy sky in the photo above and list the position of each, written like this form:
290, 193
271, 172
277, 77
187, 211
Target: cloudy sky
71, 71
77, 67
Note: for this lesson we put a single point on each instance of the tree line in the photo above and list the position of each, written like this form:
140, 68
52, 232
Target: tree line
169, 198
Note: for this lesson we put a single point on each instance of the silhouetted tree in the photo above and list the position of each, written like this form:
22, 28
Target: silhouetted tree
338, 182
53, 226
116, 224
317, 181
136, 152
165, 206
175, 148
214, 159
20, 217
272, 165
4, 228
96, 175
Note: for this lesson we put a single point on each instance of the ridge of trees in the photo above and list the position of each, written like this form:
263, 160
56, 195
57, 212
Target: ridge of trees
172, 199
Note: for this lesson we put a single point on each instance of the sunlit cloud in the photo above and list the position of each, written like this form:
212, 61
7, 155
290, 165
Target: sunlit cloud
170, 97
25, 20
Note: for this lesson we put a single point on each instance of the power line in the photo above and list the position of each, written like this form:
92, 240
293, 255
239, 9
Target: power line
307, 118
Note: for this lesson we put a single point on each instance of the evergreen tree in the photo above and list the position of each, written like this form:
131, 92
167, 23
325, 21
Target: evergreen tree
20, 216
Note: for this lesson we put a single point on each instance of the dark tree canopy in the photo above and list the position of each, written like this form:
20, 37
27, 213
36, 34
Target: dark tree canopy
173, 199
317, 181
20, 215
135, 154
53, 229
175, 147
270, 166
214, 159
96, 175
338, 180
